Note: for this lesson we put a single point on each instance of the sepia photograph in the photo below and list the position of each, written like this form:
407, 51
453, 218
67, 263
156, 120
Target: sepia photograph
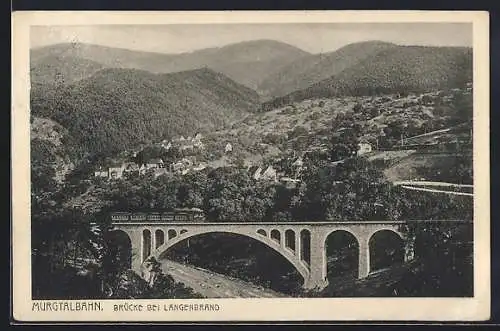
264, 160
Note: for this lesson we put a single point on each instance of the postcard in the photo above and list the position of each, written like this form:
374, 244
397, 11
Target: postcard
250, 166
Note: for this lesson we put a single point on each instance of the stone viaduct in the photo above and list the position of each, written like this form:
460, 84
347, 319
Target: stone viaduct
302, 244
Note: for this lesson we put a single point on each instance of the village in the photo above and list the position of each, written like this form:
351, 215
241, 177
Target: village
262, 143
183, 164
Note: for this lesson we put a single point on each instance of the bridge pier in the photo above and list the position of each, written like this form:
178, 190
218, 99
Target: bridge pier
298, 246
317, 276
364, 257
136, 242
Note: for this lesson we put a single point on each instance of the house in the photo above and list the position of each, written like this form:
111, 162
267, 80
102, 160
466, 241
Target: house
298, 163
269, 174
197, 143
298, 166
228, 148
187, 162
200, 167
101, 173
255, 172
289, 182
187, 146
116, 172
154, 164
159, 171
363, 148
176, 167
130, 167
167, 146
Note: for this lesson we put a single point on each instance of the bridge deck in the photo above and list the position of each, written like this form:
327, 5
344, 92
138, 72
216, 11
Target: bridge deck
290, 223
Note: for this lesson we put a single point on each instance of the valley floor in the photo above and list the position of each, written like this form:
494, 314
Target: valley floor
214, 285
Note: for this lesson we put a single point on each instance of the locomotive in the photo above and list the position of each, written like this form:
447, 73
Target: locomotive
177, 215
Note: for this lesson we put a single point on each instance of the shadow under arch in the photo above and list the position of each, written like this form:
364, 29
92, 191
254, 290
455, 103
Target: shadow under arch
342, 253
270, 243
387, 248
120, 246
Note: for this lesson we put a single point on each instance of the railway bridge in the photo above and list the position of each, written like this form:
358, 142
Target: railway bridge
303, 244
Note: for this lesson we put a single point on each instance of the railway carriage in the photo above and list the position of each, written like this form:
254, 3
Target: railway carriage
177, 215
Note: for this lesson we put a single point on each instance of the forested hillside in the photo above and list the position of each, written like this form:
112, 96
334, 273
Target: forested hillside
397, 69
120, 109
310, 69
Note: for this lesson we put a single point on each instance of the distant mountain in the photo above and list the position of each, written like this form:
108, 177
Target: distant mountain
247, 62
62, 69
118, 109
311, 69
396, 69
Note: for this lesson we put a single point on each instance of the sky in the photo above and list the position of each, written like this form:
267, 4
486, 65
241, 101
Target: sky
313, 38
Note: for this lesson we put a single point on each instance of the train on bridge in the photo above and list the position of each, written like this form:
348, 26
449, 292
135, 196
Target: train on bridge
176, 215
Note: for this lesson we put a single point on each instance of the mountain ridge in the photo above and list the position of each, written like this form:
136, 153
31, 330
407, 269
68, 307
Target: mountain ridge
305, 71
399, 69
244, 62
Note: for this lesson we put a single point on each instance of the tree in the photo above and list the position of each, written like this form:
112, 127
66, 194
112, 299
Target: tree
351, 190
442, 252
298, 131
344, 144
192, 190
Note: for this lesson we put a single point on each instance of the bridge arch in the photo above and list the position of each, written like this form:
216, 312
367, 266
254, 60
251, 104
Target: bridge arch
290, 239
276, 235
120, 246
146, 244
342, 251
171, 234
301, 268
386, 247
159, 238
304, 249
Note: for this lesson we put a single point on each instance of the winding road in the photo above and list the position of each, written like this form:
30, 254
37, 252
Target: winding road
213, 285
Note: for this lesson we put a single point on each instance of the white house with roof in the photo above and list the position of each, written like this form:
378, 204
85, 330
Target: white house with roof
269, 174
116, 172
166, 145
130, 167
298, 166
154, 163
177, 167
101, 173
257, 173
364, 147
228, 148
200, 166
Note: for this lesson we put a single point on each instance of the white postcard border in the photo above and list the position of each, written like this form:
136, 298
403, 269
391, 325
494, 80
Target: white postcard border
287, 309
